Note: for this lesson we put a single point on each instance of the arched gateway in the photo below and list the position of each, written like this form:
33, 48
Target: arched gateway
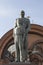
35, 43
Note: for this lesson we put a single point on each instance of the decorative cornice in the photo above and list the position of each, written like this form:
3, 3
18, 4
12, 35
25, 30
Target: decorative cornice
35, 29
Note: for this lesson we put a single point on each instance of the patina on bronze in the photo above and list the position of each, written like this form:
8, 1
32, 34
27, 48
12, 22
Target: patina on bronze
21, 29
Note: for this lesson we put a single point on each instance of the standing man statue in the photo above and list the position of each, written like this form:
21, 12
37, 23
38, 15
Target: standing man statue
21, 29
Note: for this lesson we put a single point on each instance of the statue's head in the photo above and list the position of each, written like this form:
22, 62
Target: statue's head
22, 14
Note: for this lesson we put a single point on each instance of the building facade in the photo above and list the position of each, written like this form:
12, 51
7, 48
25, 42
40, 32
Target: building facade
35, 43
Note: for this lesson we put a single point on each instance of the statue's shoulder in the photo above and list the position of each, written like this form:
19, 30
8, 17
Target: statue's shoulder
26, 19
18, 18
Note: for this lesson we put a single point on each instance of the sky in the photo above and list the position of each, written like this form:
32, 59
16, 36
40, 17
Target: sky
10, 10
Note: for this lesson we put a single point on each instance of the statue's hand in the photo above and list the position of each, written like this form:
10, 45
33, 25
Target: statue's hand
19, 30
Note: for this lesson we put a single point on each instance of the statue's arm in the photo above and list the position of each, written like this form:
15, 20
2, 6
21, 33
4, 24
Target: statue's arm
15, 24
28, 26
14, 28
27, 29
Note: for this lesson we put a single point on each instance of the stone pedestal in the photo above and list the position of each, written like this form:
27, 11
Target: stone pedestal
18, 63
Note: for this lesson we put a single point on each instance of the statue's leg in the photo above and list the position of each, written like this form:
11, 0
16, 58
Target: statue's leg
17, 52
26, 47
21, 47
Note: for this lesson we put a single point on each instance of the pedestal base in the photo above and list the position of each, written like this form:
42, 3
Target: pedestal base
18, 63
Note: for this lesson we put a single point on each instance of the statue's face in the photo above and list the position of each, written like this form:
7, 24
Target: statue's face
22, 14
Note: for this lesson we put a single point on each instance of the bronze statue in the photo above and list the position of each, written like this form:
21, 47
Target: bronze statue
21, 29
